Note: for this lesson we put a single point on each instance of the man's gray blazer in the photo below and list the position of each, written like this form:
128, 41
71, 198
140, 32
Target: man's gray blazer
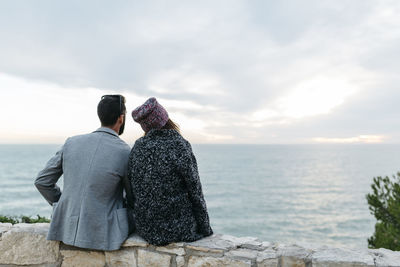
90, 211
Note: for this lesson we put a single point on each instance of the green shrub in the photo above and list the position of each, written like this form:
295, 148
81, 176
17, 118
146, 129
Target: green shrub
39, 219
7, 219
384, 204
23, 219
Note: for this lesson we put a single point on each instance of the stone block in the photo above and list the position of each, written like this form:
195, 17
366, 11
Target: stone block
135, 241
267, 258
242, 253
268, 263
216, 242
244, 242
177, 245
57, 264
254, 245
195, 261
82, 258
124, 257
385, 257
293, 256
5, 227
292, 262
331, 257
180, 261
38, 228
266, 244
26, 244
153, 259
172, 250
339, 264
205, 251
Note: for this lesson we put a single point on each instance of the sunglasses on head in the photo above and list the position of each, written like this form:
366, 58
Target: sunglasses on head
115, 96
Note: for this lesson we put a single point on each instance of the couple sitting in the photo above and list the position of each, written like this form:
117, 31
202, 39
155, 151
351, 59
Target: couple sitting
163, 200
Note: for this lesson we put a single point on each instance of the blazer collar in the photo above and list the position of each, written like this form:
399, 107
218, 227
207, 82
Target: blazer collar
107, 130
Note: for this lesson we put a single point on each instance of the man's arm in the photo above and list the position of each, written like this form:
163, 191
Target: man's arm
47, 178
128, 191
130, 200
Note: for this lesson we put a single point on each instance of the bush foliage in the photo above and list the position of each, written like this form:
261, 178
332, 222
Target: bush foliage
23, 219
384, 204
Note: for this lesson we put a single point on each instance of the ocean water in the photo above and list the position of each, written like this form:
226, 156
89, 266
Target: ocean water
307, 194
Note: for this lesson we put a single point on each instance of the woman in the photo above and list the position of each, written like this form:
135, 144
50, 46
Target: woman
168, 202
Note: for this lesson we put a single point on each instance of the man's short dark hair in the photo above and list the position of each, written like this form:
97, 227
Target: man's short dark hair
110, 108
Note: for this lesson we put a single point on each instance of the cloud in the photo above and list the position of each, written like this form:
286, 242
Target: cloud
264, 71
349, 140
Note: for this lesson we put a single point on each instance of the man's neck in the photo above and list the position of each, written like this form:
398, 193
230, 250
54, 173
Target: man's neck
114, 128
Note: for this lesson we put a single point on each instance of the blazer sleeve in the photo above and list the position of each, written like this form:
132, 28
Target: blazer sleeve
47, 178
128, 188
130, 197
129, 201
188, 166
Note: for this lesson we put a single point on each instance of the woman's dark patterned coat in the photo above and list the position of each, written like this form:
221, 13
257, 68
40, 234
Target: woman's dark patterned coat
168, 202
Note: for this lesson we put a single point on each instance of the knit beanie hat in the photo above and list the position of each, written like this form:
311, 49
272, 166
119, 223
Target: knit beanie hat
150, 115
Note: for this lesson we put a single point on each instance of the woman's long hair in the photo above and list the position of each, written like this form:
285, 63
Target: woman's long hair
171, 126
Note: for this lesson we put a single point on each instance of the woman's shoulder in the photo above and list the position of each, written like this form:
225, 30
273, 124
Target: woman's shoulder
138, 142
170, 138
179, 140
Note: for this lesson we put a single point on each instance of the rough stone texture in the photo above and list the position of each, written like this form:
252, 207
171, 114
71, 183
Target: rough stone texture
340, 264
205, 251
153, 259
82, 258
268, 263
38, 228
345, 257
245, 242
172, 249
4, 227
213, 242
180, 261
267, 258
242, 253
27, 244
195, 261
255, 245
135, 241
57, 264
266, 244
385, 257
292, 262
293, 256
121, 258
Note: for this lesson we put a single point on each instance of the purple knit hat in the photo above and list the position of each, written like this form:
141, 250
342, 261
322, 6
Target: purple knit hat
150, 115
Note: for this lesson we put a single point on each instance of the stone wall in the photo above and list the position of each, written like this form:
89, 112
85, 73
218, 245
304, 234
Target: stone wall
26, 244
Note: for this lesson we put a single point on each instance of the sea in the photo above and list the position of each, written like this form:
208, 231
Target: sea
291, 194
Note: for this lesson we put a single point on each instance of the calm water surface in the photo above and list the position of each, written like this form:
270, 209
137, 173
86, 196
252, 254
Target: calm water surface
283, 193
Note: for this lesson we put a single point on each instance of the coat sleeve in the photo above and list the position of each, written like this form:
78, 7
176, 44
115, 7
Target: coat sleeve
129, 202
47, 178
130, 197
188, 166
128, 187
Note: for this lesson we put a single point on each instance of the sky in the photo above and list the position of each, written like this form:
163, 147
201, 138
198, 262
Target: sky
227, 71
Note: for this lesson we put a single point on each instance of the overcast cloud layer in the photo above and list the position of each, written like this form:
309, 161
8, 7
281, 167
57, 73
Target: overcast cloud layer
241, 71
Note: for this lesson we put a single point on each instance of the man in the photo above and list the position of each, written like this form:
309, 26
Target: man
91, 211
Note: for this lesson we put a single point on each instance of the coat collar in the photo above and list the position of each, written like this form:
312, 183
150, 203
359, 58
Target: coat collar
162, 132
107, 130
